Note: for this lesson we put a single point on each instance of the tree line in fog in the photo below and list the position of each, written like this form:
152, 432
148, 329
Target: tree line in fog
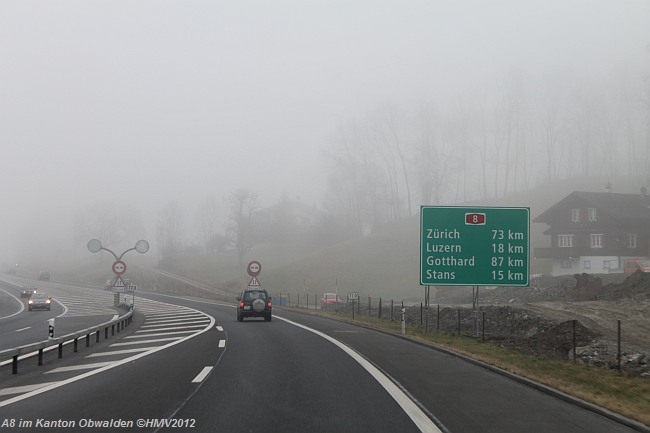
486, 143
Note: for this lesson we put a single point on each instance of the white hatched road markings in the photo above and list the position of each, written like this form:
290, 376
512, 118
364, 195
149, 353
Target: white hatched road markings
78, 306
188, 322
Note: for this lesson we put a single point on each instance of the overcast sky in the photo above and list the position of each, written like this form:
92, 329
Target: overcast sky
146, 102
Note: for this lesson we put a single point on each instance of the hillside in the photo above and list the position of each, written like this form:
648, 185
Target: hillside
386, 263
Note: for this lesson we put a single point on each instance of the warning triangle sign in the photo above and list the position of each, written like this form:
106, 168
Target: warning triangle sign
118, 282
254, 282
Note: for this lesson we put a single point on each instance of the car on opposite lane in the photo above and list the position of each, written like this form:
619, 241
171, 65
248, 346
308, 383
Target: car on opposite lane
254, 303
27, 291
39, 301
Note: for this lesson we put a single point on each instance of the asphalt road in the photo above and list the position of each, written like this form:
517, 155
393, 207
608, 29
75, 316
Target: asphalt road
73, 309
301, 374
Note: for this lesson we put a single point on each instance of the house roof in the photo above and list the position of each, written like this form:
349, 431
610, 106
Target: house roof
618, 206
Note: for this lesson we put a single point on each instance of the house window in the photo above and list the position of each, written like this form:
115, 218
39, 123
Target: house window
565, 241
597, 241
630, 241
565, 264
586, 264
591, 214
575, 215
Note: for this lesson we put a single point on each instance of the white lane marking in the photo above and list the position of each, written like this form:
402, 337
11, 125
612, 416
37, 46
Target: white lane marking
202, 375
21, 389
411, 409
220, 328
118, 352
23, 329
175, 319
22, 306
78, 367
102, 369
173, 328
131, 343
222, 344
160, 334
169, 316
178, 326
189, 324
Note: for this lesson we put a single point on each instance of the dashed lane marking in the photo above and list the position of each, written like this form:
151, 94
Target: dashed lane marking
202, 375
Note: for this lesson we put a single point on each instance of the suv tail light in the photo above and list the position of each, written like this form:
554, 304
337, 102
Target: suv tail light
241, 303
270, 304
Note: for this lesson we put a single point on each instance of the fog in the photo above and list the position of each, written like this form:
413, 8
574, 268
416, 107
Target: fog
138, 104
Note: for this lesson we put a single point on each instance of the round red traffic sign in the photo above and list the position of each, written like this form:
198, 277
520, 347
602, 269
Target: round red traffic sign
119, 267
254, 268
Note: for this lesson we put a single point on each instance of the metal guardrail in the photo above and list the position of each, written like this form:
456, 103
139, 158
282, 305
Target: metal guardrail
37, 348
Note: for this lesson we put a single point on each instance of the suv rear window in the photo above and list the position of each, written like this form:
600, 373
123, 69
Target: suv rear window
251, 295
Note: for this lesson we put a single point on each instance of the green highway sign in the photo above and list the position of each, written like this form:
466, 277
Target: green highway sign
474, 246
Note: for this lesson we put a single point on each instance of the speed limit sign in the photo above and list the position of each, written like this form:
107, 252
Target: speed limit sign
119, 267
254, 268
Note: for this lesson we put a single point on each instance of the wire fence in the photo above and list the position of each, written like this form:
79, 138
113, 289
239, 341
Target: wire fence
511, 327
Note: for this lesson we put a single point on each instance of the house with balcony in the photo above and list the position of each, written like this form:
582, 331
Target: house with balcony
595, 232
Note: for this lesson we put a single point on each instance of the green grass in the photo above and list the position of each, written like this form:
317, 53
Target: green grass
620, 393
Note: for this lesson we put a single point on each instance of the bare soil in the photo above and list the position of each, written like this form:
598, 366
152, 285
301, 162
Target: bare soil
539, 319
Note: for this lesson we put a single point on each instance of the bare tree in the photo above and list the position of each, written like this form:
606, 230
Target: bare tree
240, 228
390, 127
112, 224
169, 231
208, 219
431, 161
354, 179
552, 126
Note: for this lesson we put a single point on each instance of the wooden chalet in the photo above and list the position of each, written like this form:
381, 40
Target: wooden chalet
596, 232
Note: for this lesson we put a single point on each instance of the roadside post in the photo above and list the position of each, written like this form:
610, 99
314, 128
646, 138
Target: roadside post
354, 297
50, 331
403, 320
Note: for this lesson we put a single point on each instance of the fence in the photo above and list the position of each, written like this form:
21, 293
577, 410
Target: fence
511, 327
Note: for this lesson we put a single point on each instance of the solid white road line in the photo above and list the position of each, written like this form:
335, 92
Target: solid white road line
420, 419
202, 375
131, 343
159, 334
168, 329
119, 352
21, 389
79, 367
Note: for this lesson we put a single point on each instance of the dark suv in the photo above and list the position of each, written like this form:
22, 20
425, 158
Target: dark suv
254, 303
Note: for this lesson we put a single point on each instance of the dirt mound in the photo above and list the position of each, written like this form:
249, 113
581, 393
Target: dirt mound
635, 286
539, 319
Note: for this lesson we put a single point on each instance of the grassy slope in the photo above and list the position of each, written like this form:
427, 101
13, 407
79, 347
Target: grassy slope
387, 263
